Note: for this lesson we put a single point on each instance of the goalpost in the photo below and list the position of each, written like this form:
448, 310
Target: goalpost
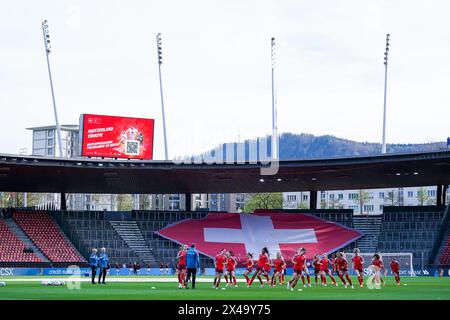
404, 258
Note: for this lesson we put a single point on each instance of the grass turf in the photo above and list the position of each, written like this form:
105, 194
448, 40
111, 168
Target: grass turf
417, 288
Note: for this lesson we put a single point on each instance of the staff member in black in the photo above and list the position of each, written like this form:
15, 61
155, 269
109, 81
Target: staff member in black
94, 263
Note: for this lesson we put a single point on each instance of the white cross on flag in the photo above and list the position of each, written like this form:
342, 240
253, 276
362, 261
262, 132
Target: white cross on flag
279, 232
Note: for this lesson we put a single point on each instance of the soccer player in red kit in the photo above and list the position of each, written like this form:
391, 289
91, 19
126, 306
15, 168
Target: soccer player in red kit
299, 261
231, 267
221, 261
377, 266
267, 269
278, 265
333, 263
316, 266
181, 256
358, 265
249, 267
395, 268
260, 267
324, 270
283, 273
342, 267
306, 270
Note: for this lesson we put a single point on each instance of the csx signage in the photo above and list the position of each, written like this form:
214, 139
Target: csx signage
6, 272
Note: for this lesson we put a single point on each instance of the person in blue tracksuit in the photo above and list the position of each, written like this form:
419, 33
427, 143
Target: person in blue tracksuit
192, 264
93, 263
103, 263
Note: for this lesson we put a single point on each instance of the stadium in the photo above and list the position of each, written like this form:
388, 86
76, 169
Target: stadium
63, 239
163, 229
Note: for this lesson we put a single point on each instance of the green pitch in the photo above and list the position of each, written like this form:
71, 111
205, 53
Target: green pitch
422, 288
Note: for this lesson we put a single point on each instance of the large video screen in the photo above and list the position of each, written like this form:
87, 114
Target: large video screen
116, 137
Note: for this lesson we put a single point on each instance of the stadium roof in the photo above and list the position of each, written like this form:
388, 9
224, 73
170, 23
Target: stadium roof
66, 127
39, 174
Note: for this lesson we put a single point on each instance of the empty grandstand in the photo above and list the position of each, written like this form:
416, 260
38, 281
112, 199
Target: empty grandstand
47, 236
12, 249
131, 236
90, 229
411, 229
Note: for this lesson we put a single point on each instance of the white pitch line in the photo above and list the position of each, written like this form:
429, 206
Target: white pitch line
111, 279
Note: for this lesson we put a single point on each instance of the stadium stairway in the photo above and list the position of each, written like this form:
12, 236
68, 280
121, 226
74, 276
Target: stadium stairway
129, 231
370, 226
17, 230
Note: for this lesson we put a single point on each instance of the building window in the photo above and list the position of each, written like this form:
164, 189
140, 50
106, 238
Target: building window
340, 196
410, 194
431, 193
174, 205
381, 207
332, 196
50, 133
305, 197
50, 142
353, 196
49, 151
368, 208
381, 195
38, 135
39, 152
291, 198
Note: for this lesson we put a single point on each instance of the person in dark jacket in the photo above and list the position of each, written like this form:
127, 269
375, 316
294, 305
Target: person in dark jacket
136, 268
192, 264
103, 263
93, 263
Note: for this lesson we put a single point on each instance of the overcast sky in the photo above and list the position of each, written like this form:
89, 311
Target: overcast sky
216, 71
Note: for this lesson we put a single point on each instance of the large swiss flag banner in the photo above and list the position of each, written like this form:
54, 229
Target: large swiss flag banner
243, 232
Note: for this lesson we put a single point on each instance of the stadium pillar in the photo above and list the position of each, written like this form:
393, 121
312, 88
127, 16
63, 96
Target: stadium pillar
441, 195
444, 194
63, 202
188, 202
313, 199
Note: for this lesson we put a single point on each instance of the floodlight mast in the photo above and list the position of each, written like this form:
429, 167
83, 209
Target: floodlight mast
166, 152
274, 105
159, 47
386, 55
47, 46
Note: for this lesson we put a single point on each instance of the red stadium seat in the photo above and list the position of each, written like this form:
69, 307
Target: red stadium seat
445, 257
11, 247
46, 235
